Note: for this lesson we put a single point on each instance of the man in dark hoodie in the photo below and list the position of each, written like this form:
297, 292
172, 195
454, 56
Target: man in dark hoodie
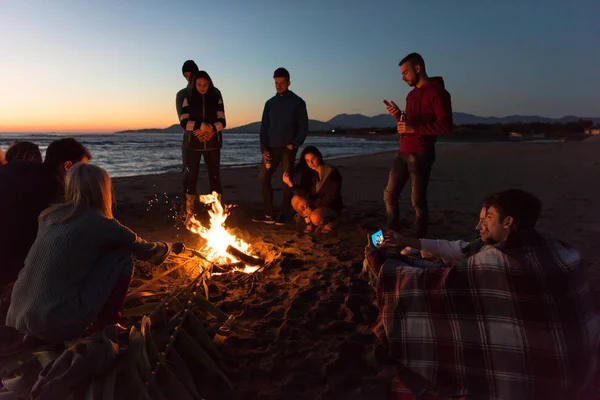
189, 70
283, 129
27, 189
428, 114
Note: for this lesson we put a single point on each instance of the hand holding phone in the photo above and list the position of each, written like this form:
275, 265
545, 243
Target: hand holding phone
377, 238
392, 108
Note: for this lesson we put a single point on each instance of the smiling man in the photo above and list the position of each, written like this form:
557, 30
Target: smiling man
447, 250
515, 320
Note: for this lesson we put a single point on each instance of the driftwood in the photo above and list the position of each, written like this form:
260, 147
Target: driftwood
245, 258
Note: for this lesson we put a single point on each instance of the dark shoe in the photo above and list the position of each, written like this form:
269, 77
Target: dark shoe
327, 228
281, 220
267, 219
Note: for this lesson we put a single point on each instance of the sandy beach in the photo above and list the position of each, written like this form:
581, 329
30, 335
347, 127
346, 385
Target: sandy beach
308, 318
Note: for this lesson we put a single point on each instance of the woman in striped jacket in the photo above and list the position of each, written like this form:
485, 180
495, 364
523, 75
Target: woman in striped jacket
203, 119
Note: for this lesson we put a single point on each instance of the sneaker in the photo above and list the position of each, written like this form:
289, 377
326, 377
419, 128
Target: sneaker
281, 220
267, 219
409, 251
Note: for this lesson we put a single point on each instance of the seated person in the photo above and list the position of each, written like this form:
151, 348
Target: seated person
318, 197
446, 250
27, 189
78, 270
515, 320
23, 150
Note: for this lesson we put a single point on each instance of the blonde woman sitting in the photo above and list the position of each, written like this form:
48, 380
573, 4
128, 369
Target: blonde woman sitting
77, 272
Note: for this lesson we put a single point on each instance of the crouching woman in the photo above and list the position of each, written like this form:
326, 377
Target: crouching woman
77, 272
318, 196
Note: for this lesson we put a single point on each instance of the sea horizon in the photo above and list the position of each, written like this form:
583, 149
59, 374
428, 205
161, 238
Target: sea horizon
132, 154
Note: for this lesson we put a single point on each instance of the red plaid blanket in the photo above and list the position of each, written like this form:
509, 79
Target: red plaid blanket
513, 321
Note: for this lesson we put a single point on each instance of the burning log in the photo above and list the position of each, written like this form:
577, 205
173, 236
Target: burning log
245, 258
223, 247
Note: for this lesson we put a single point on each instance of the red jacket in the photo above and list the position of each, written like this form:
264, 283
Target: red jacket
429, 113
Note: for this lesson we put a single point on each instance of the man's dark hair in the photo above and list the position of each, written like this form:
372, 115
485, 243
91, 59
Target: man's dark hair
522, 206
189, 66
63, 150
281, 73
23, 150
414, 59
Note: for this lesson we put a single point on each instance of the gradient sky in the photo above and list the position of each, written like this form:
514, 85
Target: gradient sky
105, 65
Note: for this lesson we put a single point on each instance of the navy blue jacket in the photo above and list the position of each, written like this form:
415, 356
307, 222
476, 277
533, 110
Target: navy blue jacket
284, 121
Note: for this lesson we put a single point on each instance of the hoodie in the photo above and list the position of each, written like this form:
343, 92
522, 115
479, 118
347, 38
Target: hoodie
198, 108
429, 113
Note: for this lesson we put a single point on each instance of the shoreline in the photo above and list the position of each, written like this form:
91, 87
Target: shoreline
166, 178
256, 165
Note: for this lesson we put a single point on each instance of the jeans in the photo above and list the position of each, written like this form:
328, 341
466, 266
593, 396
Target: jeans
285, 157
417, 168
191, 167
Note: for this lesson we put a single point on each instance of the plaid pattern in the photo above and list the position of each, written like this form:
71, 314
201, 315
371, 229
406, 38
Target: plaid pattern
513, 321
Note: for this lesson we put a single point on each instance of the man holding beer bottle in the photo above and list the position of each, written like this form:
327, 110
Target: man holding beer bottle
428, 114
283, 129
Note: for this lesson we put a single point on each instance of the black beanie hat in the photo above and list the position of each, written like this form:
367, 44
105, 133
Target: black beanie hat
189, 66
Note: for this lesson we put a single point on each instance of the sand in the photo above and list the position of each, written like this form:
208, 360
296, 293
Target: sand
308, 318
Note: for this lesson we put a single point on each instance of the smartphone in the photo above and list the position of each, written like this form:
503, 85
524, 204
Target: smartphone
387, 103
377, 238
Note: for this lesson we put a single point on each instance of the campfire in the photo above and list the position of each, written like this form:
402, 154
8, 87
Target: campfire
222, 247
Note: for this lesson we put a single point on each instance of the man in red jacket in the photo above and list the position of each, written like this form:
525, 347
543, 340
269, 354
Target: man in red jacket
428, 114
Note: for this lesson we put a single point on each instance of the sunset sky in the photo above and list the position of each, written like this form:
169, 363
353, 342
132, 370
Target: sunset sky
101, 66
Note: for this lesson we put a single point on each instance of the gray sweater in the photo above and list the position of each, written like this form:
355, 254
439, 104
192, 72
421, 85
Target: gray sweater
70, 272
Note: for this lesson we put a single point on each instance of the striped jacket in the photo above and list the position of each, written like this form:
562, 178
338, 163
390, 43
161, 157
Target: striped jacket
197, 109
513, 321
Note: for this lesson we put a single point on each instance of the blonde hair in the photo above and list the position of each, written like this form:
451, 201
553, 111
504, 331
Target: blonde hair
86, 186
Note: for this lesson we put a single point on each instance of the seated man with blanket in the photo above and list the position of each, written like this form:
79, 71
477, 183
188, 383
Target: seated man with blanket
515, 320
448, 251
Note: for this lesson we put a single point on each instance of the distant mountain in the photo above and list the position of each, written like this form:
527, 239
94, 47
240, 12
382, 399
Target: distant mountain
385, 120
254, 127
175, 128
359, 121
470, 119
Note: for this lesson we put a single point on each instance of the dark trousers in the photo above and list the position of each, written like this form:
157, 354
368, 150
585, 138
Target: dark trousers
111, 312
417, 168
285, 157
191, 167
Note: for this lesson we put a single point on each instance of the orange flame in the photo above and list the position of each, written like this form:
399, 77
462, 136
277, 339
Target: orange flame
217, 237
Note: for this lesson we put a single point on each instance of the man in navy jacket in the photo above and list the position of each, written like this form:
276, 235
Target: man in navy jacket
283, 129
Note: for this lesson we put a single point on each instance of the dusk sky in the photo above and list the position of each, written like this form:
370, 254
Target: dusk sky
101, 66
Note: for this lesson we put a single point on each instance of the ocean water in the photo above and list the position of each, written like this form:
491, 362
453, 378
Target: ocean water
152, 153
